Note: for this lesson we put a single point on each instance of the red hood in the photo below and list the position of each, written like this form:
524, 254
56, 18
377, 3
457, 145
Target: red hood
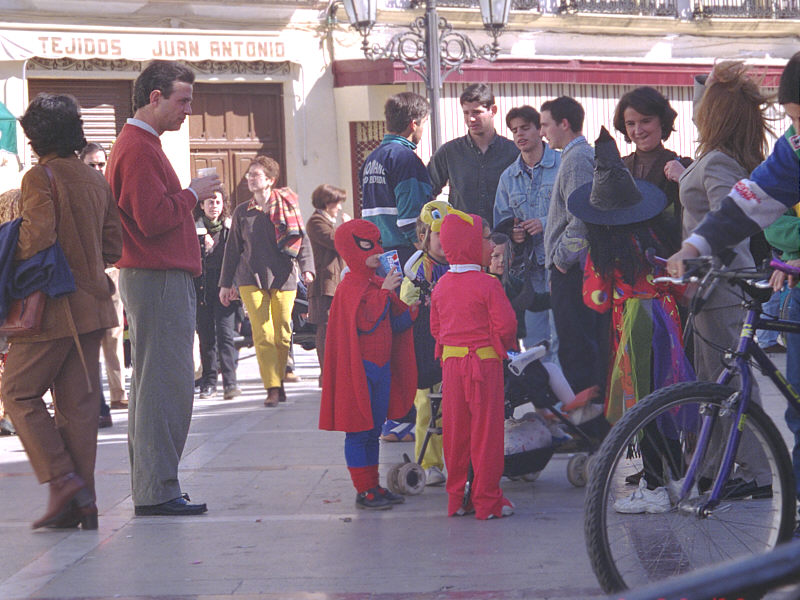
355, 241
462, 241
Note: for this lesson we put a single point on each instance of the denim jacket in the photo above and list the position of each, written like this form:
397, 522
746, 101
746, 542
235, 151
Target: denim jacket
524, 197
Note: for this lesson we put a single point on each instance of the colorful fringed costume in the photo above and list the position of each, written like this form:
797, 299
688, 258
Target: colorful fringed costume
646, 339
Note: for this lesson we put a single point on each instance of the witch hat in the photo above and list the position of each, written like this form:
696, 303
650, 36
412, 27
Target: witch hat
614, 197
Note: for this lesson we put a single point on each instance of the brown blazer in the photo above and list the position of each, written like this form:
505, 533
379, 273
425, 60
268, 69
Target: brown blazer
90, 234
327, 262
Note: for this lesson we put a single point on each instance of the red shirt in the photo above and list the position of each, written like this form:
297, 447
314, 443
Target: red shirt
471, 309
158, 230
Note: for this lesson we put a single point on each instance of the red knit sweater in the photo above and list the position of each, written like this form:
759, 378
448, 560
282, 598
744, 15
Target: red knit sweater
158, 230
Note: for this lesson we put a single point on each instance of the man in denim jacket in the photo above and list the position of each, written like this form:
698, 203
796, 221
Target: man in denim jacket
523, 194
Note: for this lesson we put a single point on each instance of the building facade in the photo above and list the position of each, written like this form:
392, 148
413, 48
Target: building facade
289, 79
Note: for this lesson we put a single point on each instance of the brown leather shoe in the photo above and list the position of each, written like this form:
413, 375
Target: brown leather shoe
273, 397
62, 491
118, 404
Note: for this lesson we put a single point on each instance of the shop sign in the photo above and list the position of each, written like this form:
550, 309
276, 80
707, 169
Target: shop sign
19, 45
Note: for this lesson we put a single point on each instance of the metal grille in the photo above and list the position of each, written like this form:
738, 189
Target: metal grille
365, 136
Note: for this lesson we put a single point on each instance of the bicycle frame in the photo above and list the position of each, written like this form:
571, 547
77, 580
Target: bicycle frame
746, 348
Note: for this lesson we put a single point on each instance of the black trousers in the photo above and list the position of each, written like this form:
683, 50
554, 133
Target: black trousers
215, 325
582, 332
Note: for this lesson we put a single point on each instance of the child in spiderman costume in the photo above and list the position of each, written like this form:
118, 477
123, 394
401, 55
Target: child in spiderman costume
370, 372
474, 324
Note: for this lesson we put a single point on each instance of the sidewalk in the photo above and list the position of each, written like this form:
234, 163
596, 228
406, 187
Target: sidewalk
282, 521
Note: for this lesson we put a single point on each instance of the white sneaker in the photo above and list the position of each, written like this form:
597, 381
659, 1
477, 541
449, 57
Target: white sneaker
674, 487
506, 511
644, 500
434, 476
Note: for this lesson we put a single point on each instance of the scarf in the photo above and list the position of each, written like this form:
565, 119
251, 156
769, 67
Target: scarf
285, 214
212, 227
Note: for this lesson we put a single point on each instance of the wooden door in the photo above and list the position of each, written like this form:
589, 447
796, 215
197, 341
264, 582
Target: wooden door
233, 123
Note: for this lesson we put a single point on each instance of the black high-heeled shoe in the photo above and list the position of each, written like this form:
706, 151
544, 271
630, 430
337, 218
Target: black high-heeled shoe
76, 516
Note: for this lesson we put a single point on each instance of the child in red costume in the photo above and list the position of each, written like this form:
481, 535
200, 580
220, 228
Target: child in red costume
370, 371
473, 324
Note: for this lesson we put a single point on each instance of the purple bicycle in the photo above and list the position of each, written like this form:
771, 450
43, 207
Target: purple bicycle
668, 491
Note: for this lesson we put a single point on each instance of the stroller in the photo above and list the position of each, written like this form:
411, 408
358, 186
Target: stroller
529, 445
529, 380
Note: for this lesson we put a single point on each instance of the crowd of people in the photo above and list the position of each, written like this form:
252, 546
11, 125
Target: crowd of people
541, 238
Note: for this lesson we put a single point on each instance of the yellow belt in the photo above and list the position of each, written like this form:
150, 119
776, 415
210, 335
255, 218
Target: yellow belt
461, 351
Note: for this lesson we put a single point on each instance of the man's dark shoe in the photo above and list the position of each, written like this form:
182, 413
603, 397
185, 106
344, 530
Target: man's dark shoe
775, 348
231, 391
105, 421
372, 500
391, 496
178, 507
207, 391
737, 489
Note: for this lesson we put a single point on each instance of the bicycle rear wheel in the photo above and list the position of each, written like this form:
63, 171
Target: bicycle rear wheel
656, 437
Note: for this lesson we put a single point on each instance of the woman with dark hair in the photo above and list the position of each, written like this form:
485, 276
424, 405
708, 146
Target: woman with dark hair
266, 243
215, 322
646, 119
66, 201
327, 200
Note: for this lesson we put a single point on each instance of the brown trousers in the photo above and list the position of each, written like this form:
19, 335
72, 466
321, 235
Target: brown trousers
67, 442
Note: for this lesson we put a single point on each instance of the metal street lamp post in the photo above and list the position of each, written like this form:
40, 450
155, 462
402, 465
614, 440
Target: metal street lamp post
429, 46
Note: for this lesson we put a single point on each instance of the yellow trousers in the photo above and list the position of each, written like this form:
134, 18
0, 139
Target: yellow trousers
271, 318
433, 453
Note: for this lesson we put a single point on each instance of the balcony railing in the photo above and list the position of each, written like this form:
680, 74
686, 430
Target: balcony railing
526, 5
652, 8
748, 9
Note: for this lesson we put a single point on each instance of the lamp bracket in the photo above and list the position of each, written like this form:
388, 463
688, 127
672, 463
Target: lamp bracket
408, 47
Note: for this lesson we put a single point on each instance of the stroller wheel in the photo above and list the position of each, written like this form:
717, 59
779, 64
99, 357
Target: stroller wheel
392, 480
576, 470
412, 479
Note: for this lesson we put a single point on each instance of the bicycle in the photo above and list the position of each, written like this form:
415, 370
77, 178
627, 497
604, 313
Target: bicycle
675, 437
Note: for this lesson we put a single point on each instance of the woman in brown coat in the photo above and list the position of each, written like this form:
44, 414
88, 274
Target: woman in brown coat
327, 200
646, 119
65, 356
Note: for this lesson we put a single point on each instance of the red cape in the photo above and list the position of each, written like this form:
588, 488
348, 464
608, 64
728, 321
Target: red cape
345, 402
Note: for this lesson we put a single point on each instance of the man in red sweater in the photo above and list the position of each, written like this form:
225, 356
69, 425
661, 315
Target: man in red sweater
160, 256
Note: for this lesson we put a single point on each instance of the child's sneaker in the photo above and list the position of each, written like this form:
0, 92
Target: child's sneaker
372, 500
461, 512
434, 476
506, 511
644, 501
393, 431
390, 496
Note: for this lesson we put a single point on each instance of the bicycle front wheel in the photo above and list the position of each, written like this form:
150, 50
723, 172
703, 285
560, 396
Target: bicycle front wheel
655, 441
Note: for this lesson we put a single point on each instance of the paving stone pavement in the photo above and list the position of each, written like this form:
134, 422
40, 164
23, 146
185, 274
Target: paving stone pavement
282, 521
